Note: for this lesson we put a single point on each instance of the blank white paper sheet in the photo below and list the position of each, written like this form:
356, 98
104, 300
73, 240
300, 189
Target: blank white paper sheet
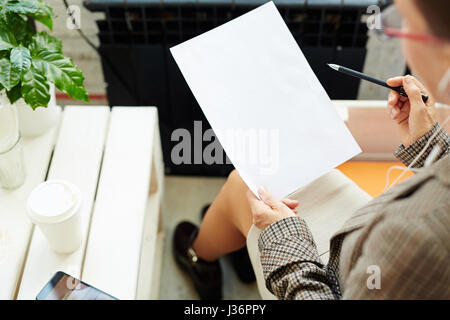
267, 108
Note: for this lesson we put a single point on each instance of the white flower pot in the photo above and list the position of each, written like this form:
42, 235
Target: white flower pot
36, 122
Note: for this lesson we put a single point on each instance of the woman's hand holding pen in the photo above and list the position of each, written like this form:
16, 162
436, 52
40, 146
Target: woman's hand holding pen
414, 118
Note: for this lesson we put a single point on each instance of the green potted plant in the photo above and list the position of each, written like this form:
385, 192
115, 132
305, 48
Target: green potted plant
30, 62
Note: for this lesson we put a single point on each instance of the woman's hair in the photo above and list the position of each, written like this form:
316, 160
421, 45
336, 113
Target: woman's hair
437, 15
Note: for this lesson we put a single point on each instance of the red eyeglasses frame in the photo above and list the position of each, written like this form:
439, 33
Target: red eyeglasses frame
427, 38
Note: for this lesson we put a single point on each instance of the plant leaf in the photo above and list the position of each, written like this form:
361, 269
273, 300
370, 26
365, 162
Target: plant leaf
14, 94
61, 71
35, 89
16, 24
35, 9
21, 59
44, 40
7, 40
9, 76
25, 7
46, 21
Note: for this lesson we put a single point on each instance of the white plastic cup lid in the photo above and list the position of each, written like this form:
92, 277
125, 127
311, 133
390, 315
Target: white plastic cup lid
53, 201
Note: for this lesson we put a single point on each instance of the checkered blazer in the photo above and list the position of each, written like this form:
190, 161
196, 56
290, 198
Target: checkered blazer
395, 247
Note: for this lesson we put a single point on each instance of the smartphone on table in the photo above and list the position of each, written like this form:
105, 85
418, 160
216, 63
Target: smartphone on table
65, 287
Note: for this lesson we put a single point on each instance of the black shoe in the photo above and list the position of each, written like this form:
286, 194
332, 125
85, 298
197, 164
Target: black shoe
207, 276
239, 259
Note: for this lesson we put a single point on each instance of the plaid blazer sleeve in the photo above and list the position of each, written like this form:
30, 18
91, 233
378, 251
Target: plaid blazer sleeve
291, 264
408, 154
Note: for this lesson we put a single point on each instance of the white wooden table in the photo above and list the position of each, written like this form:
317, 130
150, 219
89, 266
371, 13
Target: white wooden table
114, 157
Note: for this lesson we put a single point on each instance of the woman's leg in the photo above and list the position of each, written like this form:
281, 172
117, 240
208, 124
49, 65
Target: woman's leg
226, 223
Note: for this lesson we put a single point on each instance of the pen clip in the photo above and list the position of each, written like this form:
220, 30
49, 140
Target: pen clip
401, 91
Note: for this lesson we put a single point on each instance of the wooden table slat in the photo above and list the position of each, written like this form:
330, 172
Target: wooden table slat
15, 227
153, 235
115, 240
77, 158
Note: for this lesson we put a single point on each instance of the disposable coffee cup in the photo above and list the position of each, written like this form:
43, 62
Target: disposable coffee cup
54, 206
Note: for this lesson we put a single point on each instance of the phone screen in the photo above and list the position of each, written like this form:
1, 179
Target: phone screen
65, 287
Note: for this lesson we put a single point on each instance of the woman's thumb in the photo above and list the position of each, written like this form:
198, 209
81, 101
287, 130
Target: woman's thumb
413, 92
267, 197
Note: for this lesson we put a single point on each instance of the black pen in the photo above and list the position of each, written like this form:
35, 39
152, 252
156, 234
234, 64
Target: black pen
363, 76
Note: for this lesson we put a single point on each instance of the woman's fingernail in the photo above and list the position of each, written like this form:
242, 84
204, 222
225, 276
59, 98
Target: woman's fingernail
261, 190
393, 113
408, 79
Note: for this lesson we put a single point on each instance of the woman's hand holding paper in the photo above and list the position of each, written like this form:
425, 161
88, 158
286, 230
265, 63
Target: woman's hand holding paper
269, 209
